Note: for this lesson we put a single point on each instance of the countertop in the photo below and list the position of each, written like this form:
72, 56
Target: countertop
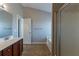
7, 43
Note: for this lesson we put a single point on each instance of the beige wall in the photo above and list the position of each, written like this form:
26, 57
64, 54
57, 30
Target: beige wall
15, 9
70, 31
41, 24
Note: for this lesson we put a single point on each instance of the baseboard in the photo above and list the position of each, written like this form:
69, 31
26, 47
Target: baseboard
26, 43
38, 42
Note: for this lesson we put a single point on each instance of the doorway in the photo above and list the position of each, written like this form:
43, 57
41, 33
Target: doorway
27, 31
20, 27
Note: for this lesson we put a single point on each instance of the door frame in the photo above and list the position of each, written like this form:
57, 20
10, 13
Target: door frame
18, 18
58, 18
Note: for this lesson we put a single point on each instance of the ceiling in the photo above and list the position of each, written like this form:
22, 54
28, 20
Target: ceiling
47, 7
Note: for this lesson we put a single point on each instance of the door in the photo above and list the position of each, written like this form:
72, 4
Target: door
0, 53
21, 46
70, 30
27, 31
16, 49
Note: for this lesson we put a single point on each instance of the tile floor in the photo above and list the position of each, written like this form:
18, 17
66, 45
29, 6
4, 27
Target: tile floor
35, 50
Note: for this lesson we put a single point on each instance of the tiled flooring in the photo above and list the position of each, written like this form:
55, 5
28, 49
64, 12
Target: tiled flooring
35, 50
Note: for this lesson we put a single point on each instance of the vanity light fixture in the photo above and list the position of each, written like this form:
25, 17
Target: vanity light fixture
1, 5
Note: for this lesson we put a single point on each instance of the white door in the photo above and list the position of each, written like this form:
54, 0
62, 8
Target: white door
27, 31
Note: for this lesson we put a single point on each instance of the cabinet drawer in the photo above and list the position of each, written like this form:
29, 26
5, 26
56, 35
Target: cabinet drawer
7, 51
0, 53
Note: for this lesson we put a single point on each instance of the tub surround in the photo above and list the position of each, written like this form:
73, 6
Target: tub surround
49, 43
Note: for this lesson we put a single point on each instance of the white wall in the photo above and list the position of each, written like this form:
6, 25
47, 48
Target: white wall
70, 32
15, 9
41, 24
41, 21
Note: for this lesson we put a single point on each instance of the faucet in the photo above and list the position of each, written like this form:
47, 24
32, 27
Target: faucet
6, 38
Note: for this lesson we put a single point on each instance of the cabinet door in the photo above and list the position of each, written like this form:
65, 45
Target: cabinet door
16, 49
0, 53
21, 46
7, 51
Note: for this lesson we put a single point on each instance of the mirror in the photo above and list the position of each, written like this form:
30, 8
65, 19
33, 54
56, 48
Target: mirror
5, 24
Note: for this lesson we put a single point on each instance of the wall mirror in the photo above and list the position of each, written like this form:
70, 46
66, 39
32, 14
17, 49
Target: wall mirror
5, 23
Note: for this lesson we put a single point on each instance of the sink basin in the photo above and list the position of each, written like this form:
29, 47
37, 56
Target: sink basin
3, 40
6, 38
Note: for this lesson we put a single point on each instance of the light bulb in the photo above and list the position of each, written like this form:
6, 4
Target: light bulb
1, 4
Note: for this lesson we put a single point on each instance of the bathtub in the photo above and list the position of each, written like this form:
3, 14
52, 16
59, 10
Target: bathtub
49, 43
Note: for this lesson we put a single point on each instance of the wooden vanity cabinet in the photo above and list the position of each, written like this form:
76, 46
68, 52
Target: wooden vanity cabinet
21, 46
7, 51
0, 53
16, 49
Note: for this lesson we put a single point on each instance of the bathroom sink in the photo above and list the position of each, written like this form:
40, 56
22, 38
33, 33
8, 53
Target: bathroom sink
2, 40
6, 38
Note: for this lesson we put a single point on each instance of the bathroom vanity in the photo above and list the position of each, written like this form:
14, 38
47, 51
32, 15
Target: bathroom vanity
0, 53
9, 45
13, 47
